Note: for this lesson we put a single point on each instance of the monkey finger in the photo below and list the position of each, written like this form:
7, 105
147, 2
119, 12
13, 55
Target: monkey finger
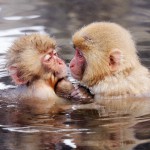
75, 92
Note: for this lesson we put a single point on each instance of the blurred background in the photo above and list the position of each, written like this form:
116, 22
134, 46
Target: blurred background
60, 19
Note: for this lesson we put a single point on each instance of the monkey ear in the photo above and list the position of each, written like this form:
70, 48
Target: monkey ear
114, 59
15, 75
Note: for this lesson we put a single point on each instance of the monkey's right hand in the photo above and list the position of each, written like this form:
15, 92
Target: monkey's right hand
64, 88
75, 93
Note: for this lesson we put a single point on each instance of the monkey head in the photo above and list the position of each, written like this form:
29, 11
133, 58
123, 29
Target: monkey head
34, 57
102, 49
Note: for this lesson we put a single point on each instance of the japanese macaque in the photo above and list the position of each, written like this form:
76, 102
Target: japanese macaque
106, 61
35, 67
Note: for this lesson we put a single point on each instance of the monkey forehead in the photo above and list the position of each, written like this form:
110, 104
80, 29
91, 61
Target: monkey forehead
104, 34
101, 28
35, 42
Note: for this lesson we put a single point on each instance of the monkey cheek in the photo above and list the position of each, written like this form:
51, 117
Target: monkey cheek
76, 76
62, 72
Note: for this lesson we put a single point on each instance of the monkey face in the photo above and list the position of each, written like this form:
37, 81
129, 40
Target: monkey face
53, 64
78, 65
34, 57
107, 49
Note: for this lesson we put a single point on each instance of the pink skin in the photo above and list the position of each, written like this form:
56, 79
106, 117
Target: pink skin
53, 63
14, 74
77, 68
77, 65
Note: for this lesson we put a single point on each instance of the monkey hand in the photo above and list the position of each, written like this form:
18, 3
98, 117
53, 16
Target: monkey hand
75, 93
64, 88
81, 95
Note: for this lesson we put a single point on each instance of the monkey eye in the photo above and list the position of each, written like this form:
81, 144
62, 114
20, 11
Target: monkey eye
47, 57
55, 53
80, 54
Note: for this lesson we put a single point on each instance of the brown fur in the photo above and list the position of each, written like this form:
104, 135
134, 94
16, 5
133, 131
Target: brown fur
37, 93
40, 74
25, 53
97, 41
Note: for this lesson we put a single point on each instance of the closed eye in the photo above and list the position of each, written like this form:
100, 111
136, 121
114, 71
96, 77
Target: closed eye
54, 53
47, 57
79, 53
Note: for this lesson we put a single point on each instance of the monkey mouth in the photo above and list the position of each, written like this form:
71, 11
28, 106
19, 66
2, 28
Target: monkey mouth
60, 75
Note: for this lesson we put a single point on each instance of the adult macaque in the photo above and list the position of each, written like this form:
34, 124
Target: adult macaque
76, 93
35, 67
106, 61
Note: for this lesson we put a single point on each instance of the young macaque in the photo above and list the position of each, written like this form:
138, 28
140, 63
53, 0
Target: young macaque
35, 67
106, 61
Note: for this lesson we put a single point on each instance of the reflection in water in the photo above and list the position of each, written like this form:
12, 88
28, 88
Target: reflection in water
21, 17
82, 129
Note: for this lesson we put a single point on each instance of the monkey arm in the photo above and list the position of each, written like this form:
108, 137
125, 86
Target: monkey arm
63, 88
82, 95
74, 92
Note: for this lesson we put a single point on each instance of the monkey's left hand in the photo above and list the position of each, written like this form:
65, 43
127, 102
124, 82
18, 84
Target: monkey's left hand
75, 93
81, 95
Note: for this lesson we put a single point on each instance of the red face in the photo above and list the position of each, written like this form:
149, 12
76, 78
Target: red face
54, 64
77, 65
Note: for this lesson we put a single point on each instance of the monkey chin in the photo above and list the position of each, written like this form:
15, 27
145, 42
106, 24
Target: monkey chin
75, 76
